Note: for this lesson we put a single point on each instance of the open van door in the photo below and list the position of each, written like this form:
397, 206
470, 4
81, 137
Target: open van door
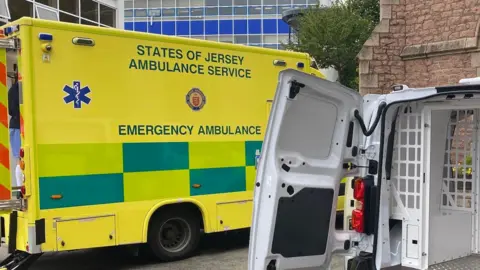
308, 140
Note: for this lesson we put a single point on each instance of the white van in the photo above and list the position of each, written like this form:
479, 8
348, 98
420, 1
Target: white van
413, 155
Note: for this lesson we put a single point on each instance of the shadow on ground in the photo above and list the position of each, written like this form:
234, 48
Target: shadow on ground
120, 258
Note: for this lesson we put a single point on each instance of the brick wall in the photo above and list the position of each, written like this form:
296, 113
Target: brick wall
421, 43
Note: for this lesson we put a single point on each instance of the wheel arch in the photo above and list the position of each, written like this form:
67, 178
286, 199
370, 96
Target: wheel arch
172, 203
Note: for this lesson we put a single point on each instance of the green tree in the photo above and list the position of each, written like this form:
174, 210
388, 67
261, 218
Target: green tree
335, 35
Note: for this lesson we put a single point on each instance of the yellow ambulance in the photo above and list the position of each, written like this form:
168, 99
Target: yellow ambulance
131, 138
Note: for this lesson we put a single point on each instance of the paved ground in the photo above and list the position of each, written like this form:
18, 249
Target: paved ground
218, 252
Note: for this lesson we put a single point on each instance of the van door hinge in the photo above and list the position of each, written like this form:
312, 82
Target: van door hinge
295, 89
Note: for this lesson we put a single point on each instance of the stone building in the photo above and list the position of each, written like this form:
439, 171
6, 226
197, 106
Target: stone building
421, 43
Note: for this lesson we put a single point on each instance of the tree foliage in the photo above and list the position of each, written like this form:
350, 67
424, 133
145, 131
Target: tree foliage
335, 35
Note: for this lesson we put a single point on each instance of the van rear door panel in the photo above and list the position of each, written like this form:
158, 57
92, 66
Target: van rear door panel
299, 173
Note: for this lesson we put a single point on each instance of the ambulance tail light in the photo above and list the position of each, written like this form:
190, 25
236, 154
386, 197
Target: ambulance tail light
22, 152
358, 221
359, 189
365, 195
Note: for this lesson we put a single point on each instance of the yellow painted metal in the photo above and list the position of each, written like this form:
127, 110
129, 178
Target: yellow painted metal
123, 95
100, 232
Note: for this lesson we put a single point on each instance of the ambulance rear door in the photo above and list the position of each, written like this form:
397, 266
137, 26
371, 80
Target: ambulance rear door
309, 138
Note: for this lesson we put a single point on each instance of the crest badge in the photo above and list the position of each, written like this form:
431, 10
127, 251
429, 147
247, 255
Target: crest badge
196, 99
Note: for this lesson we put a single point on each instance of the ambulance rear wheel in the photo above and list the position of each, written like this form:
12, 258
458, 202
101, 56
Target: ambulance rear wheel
174, 235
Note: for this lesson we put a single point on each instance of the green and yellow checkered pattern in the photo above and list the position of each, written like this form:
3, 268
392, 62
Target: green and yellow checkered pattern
90, 174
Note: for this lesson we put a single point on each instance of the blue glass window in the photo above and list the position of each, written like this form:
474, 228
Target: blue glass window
196, 28
226, 27
255, 26
168, 28
183, 28
283, 27
155, 27
270, 26
240, 26
211, 27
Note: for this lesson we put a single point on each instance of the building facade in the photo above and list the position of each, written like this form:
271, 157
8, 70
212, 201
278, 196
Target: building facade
249, 22
105, 13
421, 43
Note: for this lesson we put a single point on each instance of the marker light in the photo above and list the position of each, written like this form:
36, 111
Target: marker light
300, 65
45, 37
22, 152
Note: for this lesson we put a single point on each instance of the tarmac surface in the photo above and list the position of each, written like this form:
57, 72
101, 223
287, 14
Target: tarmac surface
217, 252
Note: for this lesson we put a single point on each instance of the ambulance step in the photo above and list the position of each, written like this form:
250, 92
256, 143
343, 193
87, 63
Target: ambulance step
471, 262
19, 260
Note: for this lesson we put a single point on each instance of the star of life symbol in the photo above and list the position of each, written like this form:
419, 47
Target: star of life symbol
76, 94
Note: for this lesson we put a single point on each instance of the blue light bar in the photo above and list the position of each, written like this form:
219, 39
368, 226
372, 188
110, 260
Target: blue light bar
45, 37
300, 65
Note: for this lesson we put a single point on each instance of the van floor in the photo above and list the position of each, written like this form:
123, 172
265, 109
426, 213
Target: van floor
471, 262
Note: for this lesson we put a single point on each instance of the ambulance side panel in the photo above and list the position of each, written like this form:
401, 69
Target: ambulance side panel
115, 138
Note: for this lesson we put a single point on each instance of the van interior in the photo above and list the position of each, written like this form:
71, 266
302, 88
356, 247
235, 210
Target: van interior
433, 184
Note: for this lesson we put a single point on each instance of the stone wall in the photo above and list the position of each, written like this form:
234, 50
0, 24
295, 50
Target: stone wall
421, 43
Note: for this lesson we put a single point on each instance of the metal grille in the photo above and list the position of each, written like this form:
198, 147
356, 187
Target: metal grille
471, 262
458, 169
407, 157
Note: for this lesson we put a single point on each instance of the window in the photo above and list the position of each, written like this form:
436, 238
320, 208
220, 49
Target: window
129, 13
128, 4
209, 11
240, 2
139, 13
284, 2
241, 39
213, 38
4, 11
269, 10
197, 3
183, 3
168, 3
20, 9
64, 17
254, 2
227, 39
184, 12
137, 4
88, 22
240, 10
312, 2
196, 12
154, 12
283, 9
153, 3
270, 39
272, 2
50, 3
46, 13
71, 6
107, 16
254, 10
254, 39
226, 3
168, 12
299, 2
89, 9
225, 10
211, 3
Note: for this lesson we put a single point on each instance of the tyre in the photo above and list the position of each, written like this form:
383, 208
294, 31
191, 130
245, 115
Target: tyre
174, 235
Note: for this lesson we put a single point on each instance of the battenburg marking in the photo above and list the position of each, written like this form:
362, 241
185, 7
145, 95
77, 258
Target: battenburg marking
196, 99
77, 94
